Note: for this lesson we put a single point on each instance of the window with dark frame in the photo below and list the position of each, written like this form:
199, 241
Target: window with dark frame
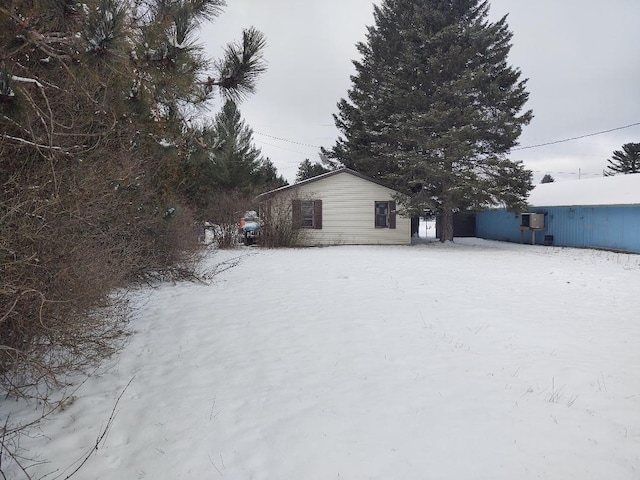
307, 213
385, 214
382, 214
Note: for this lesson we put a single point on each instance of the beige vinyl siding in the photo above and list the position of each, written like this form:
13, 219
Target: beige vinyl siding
348, 215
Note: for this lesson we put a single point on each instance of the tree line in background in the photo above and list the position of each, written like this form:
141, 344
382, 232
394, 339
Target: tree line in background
106, 165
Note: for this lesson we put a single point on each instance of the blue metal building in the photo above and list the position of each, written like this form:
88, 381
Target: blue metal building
596, 213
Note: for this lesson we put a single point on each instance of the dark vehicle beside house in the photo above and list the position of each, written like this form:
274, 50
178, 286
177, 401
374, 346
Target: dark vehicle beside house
249, 227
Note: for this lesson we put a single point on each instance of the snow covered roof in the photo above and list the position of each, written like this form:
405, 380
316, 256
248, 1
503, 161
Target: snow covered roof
616, 190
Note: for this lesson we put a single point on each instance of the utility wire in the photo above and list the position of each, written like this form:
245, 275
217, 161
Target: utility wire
286, 140
568, 173
575, 138
282, 148
528, 147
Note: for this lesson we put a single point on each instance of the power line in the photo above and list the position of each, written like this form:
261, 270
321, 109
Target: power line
282, 148
568, 173
575, 138
528, 147
287, 140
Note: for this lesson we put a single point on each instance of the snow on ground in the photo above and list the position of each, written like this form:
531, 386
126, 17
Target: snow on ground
472, 360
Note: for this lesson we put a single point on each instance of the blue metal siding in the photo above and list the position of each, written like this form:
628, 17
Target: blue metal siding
498, 225
611, 227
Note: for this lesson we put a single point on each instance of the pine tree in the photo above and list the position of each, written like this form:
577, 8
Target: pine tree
96, 100
547, 179
225, 159
268, 178
306, 170
221, 159
624, 161
435, 107
234, 158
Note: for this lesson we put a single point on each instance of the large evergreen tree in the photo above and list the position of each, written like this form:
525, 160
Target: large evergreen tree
624, 161
435, 107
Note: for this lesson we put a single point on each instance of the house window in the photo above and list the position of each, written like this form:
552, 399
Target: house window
385, 214
307, 214
382, 214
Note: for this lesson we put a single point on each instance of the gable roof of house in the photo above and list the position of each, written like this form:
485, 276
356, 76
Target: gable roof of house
266, 195
616, 190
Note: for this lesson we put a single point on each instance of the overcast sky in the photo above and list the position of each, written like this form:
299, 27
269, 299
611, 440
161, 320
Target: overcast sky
582, 59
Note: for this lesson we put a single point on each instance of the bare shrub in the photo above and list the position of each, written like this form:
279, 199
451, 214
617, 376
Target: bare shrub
67, 256
94, 128
278, 229
59, 261
169, 249
225, 211
72, 231
226, 235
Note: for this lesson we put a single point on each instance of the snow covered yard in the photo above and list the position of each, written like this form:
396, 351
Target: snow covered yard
474, 360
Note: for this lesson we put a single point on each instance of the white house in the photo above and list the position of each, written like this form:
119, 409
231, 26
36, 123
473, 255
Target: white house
342, 207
